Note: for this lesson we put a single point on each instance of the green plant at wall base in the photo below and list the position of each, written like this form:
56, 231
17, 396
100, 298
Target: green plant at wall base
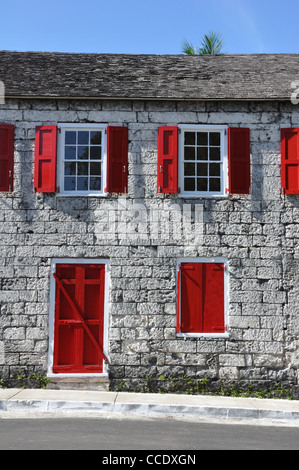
43, 381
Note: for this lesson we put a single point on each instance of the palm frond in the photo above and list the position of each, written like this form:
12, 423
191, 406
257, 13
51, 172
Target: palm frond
212, 44
189, 48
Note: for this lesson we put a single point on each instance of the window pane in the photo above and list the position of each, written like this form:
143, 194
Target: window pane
215, 153
215, 138
202, 138
82, 183
189, 153
214, 184
95, 138
70, 168
202, 184
202, 153
69, 183
95, 168
189, 184
95, 183
82, 168
214, 169
202, 169
70, 137
70, 153
189, 138
95, 153
83, 137
189, 169
82, 152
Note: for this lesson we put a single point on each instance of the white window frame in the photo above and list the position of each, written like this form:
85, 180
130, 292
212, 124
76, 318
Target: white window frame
224, 160
62, 127
54, 262
226, 296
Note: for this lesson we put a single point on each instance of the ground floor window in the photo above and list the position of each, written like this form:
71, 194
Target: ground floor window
78, 317
202, 300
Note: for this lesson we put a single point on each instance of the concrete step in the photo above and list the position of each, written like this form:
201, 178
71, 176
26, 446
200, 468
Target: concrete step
78, 383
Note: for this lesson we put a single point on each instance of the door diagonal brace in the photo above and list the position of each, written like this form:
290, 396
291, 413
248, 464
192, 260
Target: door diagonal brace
75, 309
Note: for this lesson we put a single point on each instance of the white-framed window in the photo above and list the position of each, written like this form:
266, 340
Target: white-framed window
82, 159
202, 297
203, 161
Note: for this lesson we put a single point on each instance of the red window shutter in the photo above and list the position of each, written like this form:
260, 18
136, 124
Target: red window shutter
290, 160
239, 160
79, 318
178, 308
167, 160
45, 159
6, 157
117, 159
202, 298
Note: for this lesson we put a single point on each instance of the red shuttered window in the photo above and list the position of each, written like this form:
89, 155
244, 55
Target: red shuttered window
290, 161
201, 298
6, 157
167, 160
239, 160
203, 160
117, 159
85, 159
45, 159
79, 318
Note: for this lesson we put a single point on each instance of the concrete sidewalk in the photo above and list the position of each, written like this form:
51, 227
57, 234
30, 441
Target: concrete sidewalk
191, 406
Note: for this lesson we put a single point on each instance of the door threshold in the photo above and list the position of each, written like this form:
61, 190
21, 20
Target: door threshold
100, 383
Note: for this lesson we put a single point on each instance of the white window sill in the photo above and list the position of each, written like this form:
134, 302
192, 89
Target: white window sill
203, 335
202, 195
75, 194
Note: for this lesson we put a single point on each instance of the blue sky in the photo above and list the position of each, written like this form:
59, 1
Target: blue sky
148, 26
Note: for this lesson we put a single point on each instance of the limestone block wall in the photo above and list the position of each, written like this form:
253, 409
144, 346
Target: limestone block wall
258, 234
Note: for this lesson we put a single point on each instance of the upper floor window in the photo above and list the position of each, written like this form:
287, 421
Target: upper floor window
203, 161
82, 157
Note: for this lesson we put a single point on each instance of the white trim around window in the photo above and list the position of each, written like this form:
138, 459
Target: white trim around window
203, 161
82, 159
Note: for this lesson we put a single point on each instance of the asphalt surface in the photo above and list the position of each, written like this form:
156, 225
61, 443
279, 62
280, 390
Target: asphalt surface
43, 402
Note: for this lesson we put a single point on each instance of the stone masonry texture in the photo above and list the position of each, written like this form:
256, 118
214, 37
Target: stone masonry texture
258, 234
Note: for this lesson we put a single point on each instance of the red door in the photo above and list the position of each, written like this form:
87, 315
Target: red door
79, 318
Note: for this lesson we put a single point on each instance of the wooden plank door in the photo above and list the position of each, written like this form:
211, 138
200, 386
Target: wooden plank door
79, 318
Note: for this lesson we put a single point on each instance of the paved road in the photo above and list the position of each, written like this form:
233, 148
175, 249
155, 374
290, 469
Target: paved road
141, 434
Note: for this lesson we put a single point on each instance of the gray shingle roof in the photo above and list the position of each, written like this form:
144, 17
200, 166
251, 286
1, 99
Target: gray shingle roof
125, 76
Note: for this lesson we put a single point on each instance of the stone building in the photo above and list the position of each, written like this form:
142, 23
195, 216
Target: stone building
149, 213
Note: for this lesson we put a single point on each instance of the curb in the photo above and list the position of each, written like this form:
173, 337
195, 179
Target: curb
225, 408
